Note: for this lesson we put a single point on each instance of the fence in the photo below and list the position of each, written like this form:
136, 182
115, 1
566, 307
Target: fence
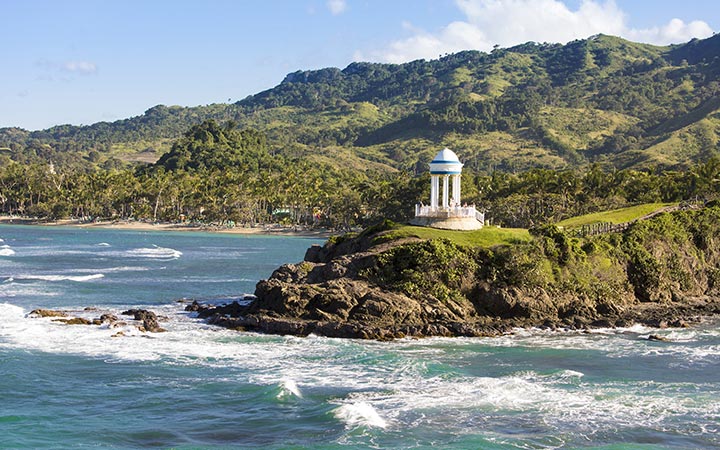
452, 212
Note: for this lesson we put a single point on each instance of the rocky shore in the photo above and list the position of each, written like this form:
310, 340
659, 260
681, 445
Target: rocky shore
145, 321
662, 273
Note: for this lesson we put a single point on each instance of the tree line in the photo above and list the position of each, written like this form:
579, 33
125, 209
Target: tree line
217, 174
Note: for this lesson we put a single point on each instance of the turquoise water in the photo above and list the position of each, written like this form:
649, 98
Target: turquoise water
198, 387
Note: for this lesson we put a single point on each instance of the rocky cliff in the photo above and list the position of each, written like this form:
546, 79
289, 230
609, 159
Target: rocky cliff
662, 272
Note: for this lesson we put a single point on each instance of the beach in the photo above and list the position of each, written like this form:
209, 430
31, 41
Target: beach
267, 229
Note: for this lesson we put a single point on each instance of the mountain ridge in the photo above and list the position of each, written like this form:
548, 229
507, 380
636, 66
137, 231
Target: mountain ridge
602, 99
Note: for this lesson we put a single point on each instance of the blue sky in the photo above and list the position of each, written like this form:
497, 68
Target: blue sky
85, 61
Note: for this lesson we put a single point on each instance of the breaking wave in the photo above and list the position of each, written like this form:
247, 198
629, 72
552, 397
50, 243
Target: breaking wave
155, 252
77, 278
360, 414
126, 269
288, 389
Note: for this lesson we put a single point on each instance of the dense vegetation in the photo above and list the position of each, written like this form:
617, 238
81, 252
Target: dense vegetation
602, 99
672, 257
217, 174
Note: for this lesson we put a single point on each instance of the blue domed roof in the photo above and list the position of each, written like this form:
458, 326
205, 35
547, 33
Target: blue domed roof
445, 162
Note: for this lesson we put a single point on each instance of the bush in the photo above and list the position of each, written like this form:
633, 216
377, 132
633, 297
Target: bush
437, 267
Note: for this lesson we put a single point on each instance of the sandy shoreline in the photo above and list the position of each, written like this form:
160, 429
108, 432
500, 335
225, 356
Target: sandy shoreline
269, 230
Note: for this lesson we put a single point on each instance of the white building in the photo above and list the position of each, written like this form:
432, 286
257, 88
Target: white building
446, 210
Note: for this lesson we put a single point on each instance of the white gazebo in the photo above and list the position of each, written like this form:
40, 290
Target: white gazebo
445, 210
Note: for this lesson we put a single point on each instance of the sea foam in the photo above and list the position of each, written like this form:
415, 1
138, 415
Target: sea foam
360, 414
288, 388
126, 269
155, 252
76, 278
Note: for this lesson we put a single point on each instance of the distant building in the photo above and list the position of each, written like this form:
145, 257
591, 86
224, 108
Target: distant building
445, 210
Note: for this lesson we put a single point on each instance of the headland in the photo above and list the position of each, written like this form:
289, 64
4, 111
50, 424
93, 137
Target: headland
393, 281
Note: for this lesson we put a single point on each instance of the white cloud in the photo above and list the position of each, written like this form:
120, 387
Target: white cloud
675, 31
511, 22
81, 67
65, 69
336, 6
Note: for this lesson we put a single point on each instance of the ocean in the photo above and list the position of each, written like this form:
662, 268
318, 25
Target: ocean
201, 387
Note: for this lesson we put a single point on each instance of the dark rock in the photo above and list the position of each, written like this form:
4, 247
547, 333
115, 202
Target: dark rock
148, 318
109, 318
195, 306
603, 323
314, 254
325, 272
679, 323
74, 321
623, 323
48, 313
233, 309
656, 337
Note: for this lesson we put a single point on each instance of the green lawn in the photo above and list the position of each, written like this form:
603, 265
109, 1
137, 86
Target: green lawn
615, 216
484, 237
491, 235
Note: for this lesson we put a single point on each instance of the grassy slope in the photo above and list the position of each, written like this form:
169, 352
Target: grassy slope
580, 127
615, 216
674, 148
491, 236
485, 237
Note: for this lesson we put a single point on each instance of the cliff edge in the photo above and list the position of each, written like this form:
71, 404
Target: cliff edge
388, 282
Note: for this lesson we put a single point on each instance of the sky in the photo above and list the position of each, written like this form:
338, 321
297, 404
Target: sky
85, 61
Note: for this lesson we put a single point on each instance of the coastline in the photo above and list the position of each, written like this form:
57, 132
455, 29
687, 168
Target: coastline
384, 285
267, 230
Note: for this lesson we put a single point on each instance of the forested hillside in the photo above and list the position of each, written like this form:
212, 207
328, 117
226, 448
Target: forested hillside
217, 174
602, 99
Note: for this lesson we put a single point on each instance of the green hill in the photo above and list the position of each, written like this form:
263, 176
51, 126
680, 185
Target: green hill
602, 99
616, 216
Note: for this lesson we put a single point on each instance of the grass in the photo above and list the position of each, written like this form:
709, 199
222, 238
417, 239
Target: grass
484, 237
682, 146
502, 151
491, 236
615, 216
580, 127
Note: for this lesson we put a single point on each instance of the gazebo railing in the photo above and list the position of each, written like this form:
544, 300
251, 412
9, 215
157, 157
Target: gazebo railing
451, 212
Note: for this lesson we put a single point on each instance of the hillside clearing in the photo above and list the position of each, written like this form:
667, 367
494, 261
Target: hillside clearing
485, 237
615, 216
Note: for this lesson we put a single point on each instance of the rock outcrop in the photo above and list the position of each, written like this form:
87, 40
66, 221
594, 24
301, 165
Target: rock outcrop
47, 313
149, 320
374, 286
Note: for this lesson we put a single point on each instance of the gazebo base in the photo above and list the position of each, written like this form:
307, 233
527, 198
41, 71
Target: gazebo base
448, 223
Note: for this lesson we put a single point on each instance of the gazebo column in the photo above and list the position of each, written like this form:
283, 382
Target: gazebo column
456, 189
434, 191
446, 186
